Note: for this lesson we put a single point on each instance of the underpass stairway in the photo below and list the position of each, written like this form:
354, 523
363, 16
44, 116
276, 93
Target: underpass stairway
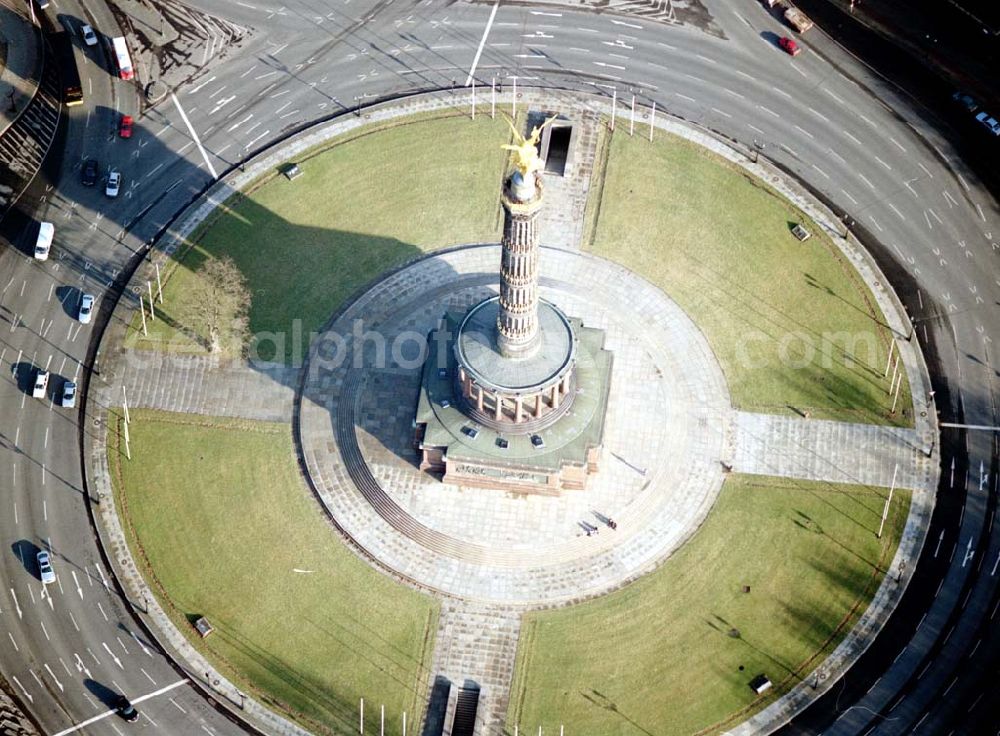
475, 650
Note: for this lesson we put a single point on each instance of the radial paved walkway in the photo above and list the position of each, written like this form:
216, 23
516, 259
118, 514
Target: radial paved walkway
838, 452
208, 385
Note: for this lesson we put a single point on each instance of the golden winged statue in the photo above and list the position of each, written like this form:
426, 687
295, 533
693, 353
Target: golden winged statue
525, 151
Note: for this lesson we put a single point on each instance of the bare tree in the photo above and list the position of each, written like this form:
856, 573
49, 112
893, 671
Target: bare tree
220, 303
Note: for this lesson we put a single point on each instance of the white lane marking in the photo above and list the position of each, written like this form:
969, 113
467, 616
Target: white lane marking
721, 112
980, 211
820, 115
101, 608
935, 215
17, 606
194, 135
867, 120
706, 58
821, 171
846, 194
833, 96
963, 182
17, 648
247, 146
683, 97
627, 25
804, 131
113, 655
177, 705
912, 190
105, 714
141, 645
482, 42
79, 590
73, 619
852, 137
875, 223
887, 166
782, 92
699, 80
898, 144
865, 180
898, 213
147, 675
929, 174
836, 156
53, 676
28, 695
768, 110
755, 128
949, 199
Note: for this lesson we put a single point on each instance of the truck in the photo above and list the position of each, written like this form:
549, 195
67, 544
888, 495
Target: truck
798, 20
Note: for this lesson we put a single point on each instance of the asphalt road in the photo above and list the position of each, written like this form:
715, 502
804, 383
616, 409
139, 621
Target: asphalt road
822, 115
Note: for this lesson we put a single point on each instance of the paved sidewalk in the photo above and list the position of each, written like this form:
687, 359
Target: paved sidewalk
208, 385
19, 62
839, 452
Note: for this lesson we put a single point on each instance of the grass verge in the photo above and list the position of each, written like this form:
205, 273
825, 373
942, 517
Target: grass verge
793, 325
673, 653
217, 517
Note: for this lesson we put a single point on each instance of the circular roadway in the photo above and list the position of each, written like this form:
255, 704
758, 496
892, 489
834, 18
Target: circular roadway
868, 150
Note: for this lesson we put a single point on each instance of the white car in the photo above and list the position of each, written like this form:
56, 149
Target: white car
41, 384
86, 308
43, 243
89, 37
69, 395
114, 183
45, 571
991, 123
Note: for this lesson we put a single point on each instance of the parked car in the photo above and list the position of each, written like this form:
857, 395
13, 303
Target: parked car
966, 101
89, 37
45, 571
88, 174
114, 183
125, 128
126, 710
86, 308
991, 123
789, 46
69, 395
41, 384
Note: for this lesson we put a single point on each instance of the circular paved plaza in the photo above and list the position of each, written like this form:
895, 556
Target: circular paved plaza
666, 432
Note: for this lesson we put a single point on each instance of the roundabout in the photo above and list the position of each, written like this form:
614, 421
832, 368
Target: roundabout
673, 437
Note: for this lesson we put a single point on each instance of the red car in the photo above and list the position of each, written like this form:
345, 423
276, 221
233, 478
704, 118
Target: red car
789, 46
125, 129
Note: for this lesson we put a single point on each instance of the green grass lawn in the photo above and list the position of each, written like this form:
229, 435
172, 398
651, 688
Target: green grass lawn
364, 203
792, 324
217, 514
661, 656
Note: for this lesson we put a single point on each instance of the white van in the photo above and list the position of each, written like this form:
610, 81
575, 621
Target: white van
46, 231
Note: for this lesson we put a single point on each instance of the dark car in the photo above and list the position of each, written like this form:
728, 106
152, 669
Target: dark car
89, 174
966, 101
126, 710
